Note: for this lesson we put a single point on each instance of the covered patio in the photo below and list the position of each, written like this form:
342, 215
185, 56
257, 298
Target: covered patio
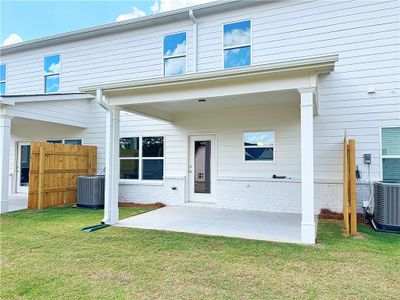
294, 82
278, 227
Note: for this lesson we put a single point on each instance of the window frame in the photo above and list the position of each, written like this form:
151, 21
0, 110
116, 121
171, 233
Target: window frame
381, 156
245, 147
163, 58
140, 158
5, 79
47, 75
239, 46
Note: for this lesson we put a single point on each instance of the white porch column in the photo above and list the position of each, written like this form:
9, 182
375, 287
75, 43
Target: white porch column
307, 167
5, 136
112, 166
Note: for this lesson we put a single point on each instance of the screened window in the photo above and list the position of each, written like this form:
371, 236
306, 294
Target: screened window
66, 141
391, 153
2, 79
142, 158
174, 54
237, 44
259, 146
73, 142
52, 65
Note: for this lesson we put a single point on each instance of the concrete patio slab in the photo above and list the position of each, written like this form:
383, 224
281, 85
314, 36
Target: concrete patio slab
279, 227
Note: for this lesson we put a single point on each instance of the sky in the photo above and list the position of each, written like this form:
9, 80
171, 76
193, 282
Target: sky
27, 20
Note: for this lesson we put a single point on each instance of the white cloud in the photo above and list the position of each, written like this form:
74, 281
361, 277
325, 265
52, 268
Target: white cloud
12, 39
237, 37
180, 49
175, 66
55, 68
166, 5
135, 13
155, 8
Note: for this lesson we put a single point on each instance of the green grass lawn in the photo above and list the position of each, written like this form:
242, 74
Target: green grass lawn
44, 255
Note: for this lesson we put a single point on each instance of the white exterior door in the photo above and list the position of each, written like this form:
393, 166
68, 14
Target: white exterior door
23, 161
202, 168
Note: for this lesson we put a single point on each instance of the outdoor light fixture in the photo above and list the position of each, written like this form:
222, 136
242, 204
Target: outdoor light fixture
202, 100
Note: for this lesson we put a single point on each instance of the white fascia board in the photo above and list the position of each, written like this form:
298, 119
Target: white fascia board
38, 98
5, 101
318, 64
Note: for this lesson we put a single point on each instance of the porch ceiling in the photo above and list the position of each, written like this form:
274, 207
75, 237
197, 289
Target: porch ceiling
31, 129
169, 110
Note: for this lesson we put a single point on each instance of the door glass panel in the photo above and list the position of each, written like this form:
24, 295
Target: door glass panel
25, 161
202, 167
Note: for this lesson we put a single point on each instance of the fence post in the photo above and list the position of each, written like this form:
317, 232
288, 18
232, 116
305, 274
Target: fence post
41, 177
90, 161
352, 177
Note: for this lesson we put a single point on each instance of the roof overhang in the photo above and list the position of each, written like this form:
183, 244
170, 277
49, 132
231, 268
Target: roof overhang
269, 71
149, 97
13, 99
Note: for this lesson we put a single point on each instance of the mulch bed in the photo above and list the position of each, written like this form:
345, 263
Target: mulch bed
327, 214
132, 204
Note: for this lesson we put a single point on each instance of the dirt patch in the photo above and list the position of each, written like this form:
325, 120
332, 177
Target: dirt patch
330, 215
327, 214
133, 204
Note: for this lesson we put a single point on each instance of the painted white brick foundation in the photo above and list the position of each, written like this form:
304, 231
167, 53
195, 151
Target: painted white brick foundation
170, 192
255, 195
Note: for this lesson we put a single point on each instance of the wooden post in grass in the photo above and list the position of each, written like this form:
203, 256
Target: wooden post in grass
345, 186
41, 177
349, 186
352, 182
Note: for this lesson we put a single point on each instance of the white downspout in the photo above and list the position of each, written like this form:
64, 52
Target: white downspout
112, 160
194, 21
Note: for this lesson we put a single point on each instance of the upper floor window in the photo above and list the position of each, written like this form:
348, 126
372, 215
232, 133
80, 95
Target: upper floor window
391, 154
52, 65
2, 79
259, 145
237, 44
174, 54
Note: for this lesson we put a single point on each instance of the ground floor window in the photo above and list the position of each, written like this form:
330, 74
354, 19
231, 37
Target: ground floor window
391, 153
142, 158
259, 146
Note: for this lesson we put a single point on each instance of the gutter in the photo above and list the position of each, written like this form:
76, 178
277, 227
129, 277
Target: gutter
322, 64
5, 101
194, 21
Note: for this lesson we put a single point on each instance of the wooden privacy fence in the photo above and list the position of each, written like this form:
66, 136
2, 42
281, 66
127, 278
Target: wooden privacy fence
54, 171
349, 186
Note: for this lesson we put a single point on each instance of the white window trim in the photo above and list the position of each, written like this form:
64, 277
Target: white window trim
141, 158
238, 46
163, 58
5, 79
245, 147
46, 75
380, 149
